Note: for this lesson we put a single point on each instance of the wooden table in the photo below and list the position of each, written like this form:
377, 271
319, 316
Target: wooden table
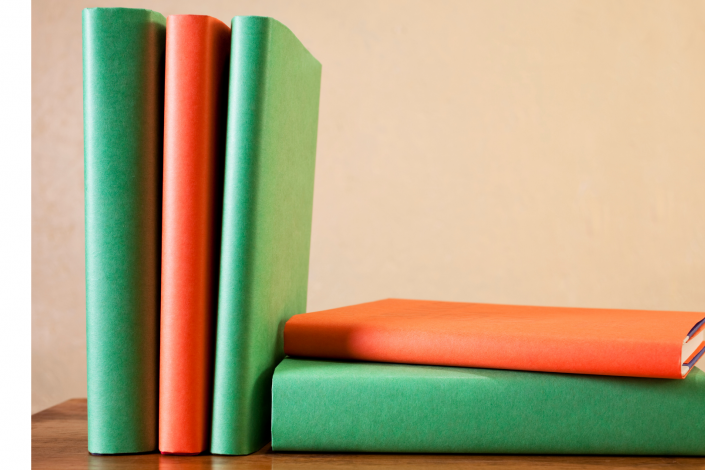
59, 441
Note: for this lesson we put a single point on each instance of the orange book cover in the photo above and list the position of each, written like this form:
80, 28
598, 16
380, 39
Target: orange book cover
633, 343
195, 106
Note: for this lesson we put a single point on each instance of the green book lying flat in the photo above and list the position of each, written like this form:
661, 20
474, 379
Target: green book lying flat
267, 207
123, 92
374, 407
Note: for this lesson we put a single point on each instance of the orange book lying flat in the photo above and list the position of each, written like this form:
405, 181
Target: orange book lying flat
195, 102
633, 343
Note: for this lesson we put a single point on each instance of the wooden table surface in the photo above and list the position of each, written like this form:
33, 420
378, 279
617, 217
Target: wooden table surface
59, 441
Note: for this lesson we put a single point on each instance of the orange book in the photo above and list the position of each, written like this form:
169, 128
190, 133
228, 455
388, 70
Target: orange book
633, 343
195, 103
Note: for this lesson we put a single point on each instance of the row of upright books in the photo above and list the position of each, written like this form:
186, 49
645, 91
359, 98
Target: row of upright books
200, 145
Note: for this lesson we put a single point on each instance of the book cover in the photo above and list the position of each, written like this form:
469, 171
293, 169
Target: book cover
267, 207
635, 343
195, 106
123, 92
328, 406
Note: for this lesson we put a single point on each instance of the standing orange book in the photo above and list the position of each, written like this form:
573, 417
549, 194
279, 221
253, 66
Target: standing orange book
634, 343
195, 106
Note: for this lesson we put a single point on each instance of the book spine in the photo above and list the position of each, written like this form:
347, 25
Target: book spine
197, 52
267, 212
123, 78
326, 406
236, 429
542, 339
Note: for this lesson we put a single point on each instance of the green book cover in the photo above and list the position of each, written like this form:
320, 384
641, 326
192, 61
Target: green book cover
270, 158
373, 407
123, 81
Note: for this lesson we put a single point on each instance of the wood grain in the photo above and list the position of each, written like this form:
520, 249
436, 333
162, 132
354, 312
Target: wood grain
59, 442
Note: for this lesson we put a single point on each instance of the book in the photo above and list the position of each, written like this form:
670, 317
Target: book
195, 107
331, 406
123, 93
635, 343
267, 208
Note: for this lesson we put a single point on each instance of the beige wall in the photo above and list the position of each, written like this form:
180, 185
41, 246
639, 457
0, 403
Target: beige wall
539, 152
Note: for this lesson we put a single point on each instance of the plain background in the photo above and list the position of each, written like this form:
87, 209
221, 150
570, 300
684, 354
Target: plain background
15, 233
522, 152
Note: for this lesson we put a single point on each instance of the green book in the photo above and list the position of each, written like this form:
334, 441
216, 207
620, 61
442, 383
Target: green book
269, 168
123, 81
373, 407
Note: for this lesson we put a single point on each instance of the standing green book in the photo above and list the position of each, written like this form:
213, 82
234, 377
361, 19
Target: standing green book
327, 406
123, 80
268, 202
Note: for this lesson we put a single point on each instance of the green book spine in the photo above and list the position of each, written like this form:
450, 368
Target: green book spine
373, 407
268, 202
123, 80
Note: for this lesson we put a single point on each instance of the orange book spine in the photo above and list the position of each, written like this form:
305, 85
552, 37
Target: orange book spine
634, 343
195, 106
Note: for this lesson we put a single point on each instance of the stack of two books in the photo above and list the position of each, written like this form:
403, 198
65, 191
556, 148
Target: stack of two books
422, 376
